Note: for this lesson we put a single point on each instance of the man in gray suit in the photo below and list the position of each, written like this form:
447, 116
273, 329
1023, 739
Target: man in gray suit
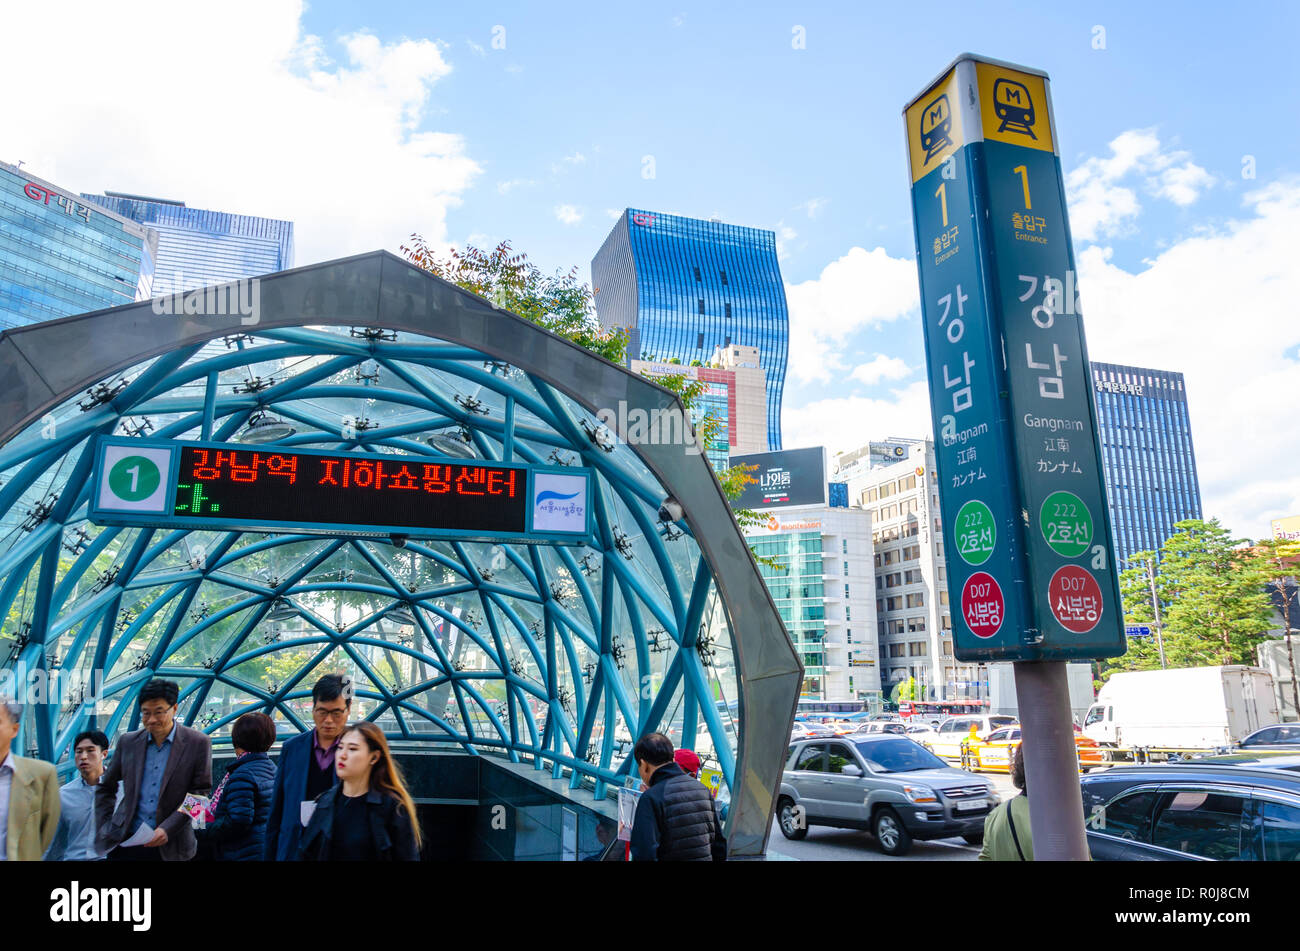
158, 765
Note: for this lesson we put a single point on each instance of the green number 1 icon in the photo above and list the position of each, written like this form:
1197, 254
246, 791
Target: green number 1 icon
134, 478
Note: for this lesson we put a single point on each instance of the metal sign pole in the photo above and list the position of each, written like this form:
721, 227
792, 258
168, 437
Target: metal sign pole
1051, 762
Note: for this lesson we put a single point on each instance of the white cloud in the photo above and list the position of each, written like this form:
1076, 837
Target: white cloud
784, 235
337, 147
477, 47
567, 214
613, 213
879, 369
862, 289
504, 188
568, 162
1217, 308
847, 423
1100, 206
812, 206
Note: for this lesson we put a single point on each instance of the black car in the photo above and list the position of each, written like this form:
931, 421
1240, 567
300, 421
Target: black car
1193, 811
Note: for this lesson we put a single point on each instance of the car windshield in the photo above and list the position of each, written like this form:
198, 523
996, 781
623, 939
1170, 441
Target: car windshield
898, 755
1095, 715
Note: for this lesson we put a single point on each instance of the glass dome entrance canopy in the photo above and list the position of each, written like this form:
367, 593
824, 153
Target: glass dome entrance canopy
556, 654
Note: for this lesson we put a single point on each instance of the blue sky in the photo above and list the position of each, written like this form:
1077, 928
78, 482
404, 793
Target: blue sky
534, 121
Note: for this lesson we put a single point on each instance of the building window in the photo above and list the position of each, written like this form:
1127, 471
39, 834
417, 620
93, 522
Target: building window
848, 613
699, 341
724, 278
896, 626
891, 556
894, 604
916, 600
846, 591
893, 580
917, 649
877, 561
701, 305
915, 625
698, 278
943, 595
912, 577
727, 310
908, 483
947, 648
897, 650
844, 547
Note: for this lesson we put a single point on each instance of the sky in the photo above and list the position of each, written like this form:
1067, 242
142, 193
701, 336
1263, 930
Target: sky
473, 123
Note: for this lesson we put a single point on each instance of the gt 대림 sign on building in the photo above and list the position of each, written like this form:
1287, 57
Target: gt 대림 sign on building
1031, 572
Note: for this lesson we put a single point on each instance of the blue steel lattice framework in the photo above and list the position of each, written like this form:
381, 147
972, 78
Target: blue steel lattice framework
1146, 440
558, 656
198, 247
61, 256
683, 286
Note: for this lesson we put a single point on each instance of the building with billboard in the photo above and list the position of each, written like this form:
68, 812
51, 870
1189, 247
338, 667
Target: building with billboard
198, 247
734, 395
683, 287
823, 592
913, 615
1146, 444
61, 255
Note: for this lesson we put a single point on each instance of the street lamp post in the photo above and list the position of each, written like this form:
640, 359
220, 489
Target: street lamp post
1155, 608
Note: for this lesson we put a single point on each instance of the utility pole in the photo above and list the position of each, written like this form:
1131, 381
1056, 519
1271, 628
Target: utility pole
1155, 607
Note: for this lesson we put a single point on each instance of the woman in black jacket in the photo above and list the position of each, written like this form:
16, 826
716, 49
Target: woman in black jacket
242, 803
368, 816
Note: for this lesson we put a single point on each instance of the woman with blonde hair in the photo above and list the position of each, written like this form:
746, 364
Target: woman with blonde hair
368, 816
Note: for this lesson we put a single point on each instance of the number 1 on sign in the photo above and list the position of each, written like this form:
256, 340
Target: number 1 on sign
1024, 183
942, 194
135, 479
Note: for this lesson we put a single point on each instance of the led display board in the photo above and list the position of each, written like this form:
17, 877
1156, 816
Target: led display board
225, 486
787, 477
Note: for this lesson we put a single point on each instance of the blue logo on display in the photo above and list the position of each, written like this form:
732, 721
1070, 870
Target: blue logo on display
546, 496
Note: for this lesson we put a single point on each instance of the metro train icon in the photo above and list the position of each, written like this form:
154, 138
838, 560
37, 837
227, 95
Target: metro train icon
1014, 106
936, 126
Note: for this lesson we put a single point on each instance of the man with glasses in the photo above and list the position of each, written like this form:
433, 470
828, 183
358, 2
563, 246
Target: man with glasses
306, 767
156, 766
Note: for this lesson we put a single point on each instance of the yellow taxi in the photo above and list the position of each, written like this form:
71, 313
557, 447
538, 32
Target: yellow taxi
994, 752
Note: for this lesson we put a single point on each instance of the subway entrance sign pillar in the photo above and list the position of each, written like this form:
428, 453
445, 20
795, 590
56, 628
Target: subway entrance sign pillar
1031, 572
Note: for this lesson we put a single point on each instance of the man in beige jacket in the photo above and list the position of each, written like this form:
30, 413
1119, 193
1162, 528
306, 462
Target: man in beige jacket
29, 795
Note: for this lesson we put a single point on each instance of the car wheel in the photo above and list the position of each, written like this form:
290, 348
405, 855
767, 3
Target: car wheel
890, 834
974, 838
793, 822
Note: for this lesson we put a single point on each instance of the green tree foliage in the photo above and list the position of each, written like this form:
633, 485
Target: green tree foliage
906, 690
1212, 600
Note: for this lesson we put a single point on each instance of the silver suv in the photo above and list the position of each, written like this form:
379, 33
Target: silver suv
889, 785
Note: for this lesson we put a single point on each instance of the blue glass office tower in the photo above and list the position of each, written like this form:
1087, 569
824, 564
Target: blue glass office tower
683, 286
197, 247
61, 256
1146, 440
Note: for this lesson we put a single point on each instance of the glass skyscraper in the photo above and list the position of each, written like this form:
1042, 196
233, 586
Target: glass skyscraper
682, 287
61, 256
197, 247
1146, 441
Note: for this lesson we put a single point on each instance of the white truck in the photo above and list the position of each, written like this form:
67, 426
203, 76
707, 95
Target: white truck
1193, 708
1002, 689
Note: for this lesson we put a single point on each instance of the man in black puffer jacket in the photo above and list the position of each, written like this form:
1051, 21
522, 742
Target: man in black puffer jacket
675, 819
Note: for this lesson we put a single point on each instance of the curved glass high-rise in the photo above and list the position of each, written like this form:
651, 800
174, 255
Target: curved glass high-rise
683, 286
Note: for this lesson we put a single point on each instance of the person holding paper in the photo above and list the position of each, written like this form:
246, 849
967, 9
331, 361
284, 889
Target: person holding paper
306, 767
369, 816
156, 766
242, 803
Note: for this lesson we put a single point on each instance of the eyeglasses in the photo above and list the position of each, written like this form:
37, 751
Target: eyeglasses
160, 715
330, 714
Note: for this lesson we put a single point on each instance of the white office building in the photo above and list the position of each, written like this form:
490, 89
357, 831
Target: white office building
913, 618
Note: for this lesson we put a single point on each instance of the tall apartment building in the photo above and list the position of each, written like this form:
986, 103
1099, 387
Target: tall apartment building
60, 255
1146, 442
198, 247
913, 616
734, 395
824, 591
683, 287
